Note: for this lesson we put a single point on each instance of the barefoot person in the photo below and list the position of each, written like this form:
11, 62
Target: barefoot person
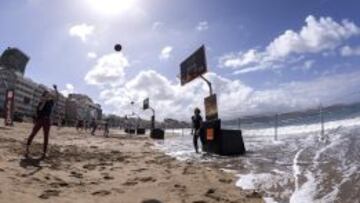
43, 111
196, 124
106, 129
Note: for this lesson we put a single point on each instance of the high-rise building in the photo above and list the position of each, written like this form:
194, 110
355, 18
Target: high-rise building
14, 59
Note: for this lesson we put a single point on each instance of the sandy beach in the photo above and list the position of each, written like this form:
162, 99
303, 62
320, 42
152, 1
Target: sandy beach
122, 168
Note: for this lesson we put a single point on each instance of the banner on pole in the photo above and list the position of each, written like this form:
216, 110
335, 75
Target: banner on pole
211, 110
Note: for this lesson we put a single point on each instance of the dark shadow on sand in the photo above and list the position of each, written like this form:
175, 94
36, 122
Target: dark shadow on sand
31, 162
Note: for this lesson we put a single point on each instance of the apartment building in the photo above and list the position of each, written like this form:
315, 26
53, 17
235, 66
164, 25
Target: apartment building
81, 107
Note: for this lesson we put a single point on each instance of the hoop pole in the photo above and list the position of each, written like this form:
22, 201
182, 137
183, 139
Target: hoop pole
208, 83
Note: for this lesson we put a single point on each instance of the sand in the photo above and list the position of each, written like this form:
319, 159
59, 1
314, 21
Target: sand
122, 168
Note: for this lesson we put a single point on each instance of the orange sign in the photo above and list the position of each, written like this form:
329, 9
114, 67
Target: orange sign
210, 134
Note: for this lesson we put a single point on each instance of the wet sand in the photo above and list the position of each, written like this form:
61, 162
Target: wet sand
122, 168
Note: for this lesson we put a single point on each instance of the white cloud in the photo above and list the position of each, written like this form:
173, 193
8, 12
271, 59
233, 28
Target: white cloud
202, 26
234, 97
69, 89
316, 36
83, 31
350, 51
233, 60
165, 52
92, 55
109, 70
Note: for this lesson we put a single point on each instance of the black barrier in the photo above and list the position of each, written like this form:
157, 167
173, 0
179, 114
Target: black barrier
221, 141
140, 131
130, 131
232, 142
157, 133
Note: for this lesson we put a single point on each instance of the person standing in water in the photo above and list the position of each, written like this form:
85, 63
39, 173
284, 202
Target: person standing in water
43, 119
196, 124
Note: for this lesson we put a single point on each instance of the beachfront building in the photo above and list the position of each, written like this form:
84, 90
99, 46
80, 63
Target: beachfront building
27, 92
27, 95
14, 60
81, 107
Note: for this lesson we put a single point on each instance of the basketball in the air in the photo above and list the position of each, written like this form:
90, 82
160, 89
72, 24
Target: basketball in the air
117, 47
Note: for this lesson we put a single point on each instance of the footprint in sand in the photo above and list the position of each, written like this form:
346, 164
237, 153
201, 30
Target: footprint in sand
94, 183
59, 184
49, 193
115, 152
146, 179
101, 193
130, 183
2, 170
76, 174
140, 170
35, 179
151, 201
89, 167
180, 186
211, 193
114, 168
106, 176
227, 181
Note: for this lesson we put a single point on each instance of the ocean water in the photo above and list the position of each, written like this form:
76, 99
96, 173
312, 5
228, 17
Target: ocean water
301, 165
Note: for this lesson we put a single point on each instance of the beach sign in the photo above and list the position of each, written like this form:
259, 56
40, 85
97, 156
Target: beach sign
194, 66
9, 107
211, 110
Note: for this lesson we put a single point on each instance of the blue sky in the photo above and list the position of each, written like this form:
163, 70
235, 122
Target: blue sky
264, 56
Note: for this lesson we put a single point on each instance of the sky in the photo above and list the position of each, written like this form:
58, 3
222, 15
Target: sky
263, 56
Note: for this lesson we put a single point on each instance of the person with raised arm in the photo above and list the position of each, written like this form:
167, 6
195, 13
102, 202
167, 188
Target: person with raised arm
43, 119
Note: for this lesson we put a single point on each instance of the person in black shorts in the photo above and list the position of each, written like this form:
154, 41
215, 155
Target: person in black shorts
106, 128
196, 124
43, 115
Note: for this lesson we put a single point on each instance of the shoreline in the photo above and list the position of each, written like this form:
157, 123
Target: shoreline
122, 168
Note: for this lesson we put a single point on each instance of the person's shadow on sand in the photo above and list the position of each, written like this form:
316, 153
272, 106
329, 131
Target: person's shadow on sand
32, 162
